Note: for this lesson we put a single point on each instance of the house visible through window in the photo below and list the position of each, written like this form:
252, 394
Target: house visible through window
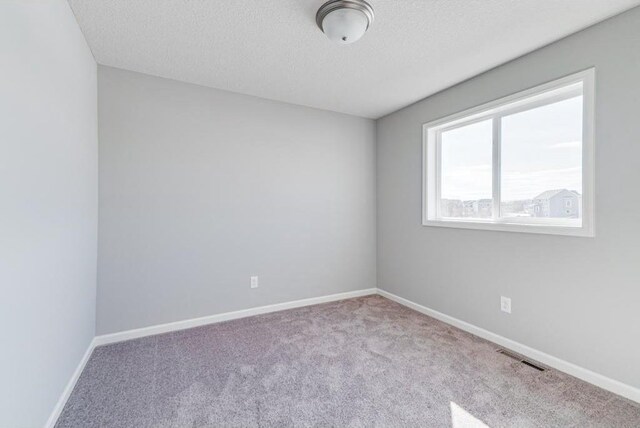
523, 163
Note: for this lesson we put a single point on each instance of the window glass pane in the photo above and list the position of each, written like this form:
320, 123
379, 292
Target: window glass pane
542, 162
466, 178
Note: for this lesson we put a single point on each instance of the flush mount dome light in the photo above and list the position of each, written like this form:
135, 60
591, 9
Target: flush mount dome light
344, 21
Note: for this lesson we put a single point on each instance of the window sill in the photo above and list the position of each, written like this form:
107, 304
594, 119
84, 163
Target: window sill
503, 226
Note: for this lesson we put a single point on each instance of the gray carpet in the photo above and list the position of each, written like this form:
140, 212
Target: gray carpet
359, 362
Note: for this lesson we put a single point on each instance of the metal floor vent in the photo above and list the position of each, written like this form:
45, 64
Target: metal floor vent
520, 359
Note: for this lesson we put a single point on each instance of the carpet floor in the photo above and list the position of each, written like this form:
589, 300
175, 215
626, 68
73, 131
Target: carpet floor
359, 362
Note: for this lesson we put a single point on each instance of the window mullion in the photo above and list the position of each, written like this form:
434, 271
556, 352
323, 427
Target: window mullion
496, 166
438, 173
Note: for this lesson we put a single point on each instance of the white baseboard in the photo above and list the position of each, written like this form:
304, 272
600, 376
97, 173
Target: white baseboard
55, 414
211, 319
604, 382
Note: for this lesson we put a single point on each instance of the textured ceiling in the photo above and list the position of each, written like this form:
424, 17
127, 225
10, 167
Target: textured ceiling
273, 49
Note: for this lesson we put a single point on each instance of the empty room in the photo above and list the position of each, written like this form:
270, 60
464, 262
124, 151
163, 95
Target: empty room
312, 213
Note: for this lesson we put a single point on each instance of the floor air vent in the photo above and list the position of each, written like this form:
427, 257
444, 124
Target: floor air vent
520, 359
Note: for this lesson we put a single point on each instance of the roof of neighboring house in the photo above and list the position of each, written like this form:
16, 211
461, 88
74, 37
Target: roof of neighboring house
551, 193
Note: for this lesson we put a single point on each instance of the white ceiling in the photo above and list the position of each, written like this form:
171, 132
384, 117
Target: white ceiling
273, 49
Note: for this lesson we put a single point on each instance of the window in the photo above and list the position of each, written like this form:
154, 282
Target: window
523, 163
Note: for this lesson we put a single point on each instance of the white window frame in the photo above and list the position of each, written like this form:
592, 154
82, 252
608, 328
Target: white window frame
544, 94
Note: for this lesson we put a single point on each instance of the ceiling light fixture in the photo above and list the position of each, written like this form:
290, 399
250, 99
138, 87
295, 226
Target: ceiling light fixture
344, 21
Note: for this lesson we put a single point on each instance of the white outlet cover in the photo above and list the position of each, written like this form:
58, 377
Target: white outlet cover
505, 304
254, 282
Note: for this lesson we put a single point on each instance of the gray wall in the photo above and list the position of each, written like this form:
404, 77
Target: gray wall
574, 298
48, 206
201, 188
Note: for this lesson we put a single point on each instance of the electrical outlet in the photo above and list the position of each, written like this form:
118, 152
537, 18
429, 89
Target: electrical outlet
505, 304
254, 282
